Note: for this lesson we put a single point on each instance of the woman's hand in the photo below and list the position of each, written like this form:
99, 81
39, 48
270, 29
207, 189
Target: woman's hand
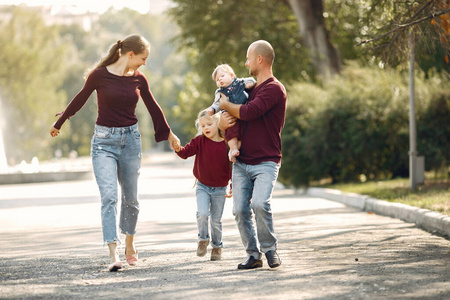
174, 142
53, 131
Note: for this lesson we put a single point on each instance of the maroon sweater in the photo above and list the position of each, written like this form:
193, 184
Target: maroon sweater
262, 120
117, 97
211, 165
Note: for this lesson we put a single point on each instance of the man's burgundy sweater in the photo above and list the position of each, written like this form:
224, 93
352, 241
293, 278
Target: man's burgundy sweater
262, 120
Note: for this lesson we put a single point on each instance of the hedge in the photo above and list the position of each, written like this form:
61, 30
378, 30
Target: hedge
358, 126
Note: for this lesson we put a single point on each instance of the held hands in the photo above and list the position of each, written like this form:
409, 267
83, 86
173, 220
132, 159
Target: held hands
174, 142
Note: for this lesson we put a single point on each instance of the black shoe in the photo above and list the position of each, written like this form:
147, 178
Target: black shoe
250, 263
273, 259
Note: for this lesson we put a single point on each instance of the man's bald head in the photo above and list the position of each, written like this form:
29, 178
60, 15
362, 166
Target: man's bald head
264, 49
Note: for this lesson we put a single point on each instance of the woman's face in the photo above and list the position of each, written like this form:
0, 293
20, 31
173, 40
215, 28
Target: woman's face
137, 60
223, 78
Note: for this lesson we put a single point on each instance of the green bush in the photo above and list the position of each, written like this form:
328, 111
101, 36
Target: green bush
433, 128
358, 124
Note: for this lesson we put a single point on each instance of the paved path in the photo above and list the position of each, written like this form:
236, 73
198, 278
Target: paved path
50, 247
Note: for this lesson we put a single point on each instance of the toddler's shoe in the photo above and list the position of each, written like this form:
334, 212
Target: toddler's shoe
202, 247
216, 254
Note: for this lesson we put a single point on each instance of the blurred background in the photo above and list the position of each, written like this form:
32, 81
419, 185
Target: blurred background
344, 64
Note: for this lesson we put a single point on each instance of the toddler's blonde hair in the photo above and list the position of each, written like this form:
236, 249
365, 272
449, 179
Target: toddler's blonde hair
204, 114
224, 67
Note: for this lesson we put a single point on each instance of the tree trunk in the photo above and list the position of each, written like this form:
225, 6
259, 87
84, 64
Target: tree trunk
309, 14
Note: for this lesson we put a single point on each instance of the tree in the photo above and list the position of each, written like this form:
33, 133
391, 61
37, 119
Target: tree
215, 32
310, 17
390, 23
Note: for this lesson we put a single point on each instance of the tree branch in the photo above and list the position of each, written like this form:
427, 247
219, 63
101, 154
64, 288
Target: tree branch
403, 26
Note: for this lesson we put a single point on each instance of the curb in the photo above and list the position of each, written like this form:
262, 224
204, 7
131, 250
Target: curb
429, 220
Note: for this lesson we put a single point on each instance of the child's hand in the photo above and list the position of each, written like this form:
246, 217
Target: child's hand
249, 85
210, 111
177, 147
229, 193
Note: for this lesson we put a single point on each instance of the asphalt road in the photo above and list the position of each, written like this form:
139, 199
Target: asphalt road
51, 247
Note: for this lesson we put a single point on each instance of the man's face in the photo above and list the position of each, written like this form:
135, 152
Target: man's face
251, 62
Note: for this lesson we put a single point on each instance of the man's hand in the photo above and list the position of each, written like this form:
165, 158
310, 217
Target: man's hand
226, 121
223, 101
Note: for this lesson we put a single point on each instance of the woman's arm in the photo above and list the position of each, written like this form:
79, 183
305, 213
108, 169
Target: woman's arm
162, 129
76, 104
174, 142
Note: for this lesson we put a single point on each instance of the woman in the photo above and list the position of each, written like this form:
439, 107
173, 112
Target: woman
116, 144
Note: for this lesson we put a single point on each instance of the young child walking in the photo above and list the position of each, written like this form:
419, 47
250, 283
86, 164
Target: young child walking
236, 90
213, 173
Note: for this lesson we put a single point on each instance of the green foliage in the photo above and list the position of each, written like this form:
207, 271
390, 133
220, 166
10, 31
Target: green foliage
31, 56
433, 128
390, 22
218, 32
358, 125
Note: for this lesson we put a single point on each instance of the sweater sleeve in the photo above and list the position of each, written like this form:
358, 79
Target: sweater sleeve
249, 80
190, 149
80, 99
160, 125
215, 106
261, 104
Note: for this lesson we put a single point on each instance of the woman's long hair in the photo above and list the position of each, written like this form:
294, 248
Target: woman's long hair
134, 42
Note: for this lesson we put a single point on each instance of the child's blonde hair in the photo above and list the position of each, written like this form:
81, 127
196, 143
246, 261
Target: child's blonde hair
224, 67
204, 114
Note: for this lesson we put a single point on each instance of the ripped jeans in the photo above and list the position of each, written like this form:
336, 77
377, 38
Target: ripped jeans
116, 158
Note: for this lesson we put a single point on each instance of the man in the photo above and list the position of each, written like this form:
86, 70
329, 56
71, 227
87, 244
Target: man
256, 168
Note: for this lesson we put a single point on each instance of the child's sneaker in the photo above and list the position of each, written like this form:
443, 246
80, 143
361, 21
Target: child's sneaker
216, 254
201, 248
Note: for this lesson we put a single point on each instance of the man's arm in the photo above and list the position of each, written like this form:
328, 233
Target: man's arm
232, 108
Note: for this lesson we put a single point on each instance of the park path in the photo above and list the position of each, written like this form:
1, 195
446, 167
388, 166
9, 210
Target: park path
50, 247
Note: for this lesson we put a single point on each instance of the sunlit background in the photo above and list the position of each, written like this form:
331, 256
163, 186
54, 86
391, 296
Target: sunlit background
348, 99
142, 6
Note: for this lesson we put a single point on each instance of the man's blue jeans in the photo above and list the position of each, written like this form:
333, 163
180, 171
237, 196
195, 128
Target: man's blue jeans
210, 203
252, 191
116, 158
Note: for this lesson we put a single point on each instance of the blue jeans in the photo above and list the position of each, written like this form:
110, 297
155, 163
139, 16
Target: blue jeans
210, 202
116, 158
252, 191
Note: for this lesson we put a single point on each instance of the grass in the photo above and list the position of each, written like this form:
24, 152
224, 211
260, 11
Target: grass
434, 194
